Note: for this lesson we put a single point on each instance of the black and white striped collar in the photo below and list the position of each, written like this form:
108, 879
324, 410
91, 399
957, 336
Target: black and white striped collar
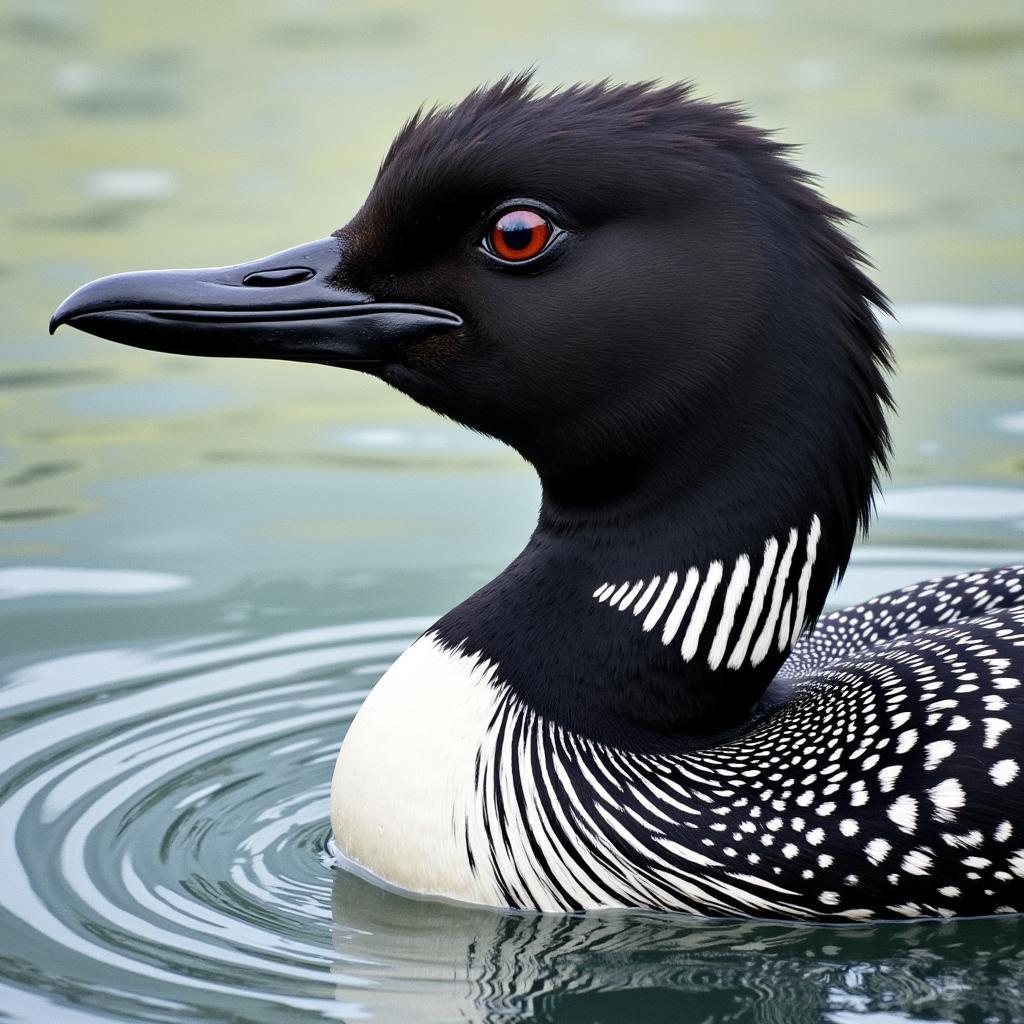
649, 644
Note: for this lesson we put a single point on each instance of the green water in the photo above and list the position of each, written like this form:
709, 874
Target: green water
206, 565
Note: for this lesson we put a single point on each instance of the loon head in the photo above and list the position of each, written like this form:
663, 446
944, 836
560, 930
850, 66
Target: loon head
633, 287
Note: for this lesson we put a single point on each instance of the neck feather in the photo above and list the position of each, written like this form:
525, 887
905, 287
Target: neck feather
761, 600
664, 630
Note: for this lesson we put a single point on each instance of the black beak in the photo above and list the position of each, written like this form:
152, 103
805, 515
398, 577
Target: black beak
282, 307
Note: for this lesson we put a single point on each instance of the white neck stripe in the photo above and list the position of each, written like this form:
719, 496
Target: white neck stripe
700, 611
777, 604
631, 596
648, 594
658, 609
739, 652
675, 617
805, 578
764, 641
733, 595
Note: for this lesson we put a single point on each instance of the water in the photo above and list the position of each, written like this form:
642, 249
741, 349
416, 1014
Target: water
205, 566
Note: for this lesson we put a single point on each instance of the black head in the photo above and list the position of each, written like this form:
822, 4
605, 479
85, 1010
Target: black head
697, 314
633, 287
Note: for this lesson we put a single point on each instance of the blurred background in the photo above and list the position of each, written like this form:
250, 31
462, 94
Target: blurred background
194, 134
151, 505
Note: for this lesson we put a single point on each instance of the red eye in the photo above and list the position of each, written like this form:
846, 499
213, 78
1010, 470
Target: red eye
519, 235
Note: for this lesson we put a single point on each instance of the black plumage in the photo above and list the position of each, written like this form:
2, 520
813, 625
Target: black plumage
693, 362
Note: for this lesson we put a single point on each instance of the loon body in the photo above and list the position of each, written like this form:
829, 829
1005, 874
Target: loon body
642, 295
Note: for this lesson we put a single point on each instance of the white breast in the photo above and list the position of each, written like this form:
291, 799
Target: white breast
403, 787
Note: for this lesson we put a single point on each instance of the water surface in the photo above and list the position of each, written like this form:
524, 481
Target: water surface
206, 566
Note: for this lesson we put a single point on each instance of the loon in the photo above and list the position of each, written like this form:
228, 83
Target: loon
637, 290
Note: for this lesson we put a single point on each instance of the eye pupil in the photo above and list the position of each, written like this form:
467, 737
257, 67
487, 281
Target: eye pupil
519, 235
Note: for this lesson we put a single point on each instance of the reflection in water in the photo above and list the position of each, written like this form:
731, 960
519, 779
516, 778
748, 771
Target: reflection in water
440, 962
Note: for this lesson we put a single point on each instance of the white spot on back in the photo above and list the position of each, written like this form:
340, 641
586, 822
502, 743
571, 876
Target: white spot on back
877, 850
937, 752
905, 741
1004, 772
903, 813
887, 777
917, 862
948, 797
994, 728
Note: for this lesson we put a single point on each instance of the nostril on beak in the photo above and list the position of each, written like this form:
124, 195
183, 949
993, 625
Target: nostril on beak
278, 277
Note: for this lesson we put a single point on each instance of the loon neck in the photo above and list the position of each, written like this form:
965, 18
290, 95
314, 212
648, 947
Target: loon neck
653, 625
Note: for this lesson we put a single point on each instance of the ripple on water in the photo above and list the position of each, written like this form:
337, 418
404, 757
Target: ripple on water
165, 809
162, 828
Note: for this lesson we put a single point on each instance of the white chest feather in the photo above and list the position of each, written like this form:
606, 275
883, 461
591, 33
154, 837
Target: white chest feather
403, 785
